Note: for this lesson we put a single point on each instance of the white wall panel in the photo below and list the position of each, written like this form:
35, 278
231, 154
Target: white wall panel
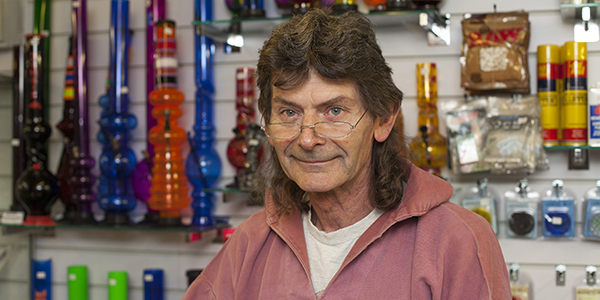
404, 47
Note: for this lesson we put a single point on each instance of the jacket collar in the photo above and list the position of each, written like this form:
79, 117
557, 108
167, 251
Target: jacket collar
423, 192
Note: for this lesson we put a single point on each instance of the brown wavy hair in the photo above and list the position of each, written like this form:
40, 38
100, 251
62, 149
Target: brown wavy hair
336, 47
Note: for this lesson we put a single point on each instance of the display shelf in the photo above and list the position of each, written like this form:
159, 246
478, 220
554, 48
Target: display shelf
20, 228
573, 12
585, 17
433, 21
571, 147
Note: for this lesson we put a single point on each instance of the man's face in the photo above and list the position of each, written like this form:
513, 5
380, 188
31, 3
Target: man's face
315, 163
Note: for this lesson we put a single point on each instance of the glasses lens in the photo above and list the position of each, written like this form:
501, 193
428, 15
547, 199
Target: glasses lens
332, 129
282, 130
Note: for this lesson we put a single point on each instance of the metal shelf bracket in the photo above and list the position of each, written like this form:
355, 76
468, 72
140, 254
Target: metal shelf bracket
437, 27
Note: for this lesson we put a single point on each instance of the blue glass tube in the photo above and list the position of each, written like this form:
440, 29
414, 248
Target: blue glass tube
117, 161
203, 165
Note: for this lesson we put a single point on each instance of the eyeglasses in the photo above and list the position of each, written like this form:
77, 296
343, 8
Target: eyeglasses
331, 130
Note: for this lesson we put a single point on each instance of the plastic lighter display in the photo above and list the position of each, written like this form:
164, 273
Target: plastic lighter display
522, 211
558, 212
169, 192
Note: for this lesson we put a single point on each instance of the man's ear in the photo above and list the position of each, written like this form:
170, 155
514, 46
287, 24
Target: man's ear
383, 127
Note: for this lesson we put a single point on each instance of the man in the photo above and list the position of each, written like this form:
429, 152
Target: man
345, 217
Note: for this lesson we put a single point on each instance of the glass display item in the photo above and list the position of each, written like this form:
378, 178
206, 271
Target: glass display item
245, 105
429, 147
155, 11
169, 192
342, 6
376, 5
117, 160
19, 155
81, 163
77, 282
154, 285
67, 128
558, 212
302, 6
285, 7
37, 189
522, 211
235, 40
253, 9
426, 4
41, 25
203, 165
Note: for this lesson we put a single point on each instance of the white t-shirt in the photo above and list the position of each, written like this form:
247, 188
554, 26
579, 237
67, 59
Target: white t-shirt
327, 251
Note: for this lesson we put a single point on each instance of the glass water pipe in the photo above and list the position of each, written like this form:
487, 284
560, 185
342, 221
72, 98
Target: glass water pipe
117, 160
37, 189
168, 192
203, 164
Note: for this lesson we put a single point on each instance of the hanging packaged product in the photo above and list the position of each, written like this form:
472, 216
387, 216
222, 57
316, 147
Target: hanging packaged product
548, 92
77, 278
520, 288
573, 103
467, 131
494, 53
480, 201
522, 211
590, 290
591, 228
594, 116
558, 212
512, 140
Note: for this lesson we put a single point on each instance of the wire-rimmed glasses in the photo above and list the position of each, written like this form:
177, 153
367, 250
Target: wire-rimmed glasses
289, 130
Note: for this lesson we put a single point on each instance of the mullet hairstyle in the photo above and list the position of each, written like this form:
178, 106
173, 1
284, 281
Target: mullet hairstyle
335, 47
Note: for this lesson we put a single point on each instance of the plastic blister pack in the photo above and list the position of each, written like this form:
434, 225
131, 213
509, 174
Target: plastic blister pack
510, 147
482, 202
467, 132
522, 211
558, 212
591, 228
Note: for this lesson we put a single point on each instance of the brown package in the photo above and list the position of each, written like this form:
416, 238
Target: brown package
494, 53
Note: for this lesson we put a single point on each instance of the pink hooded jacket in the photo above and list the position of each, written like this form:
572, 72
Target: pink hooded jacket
425, 248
